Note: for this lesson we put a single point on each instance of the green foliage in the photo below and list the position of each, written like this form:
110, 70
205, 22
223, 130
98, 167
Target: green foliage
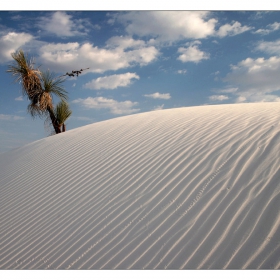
62, 112
53, 85
40, 88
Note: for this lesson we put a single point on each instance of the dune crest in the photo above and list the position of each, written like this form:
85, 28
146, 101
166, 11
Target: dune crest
186, 188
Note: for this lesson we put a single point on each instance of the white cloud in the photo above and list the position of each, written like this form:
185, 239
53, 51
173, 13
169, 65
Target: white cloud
71, 56
232, 29
241, 99
10, 117
160, 107
192, 53
158, 95
256, 79
11, 42
20, 98
168, 25
125, 42
218, 97
269, 47
113, 81
61, 24
83, 119
226, 90
16, 17
183, 71
115, 107
270, 28
259, 98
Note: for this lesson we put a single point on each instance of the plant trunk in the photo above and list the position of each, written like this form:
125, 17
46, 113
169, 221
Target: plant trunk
63, 127
54, 120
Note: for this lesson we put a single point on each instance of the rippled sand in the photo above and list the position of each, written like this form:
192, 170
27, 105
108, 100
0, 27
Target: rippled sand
187, 188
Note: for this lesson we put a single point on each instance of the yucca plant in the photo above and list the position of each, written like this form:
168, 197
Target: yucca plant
23, 70
52, 85
62, 112
39, 87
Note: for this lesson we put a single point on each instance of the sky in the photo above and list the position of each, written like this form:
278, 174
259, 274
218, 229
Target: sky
138, 61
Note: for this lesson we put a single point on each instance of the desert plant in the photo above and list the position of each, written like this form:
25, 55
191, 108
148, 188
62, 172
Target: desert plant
39, 88
61, 113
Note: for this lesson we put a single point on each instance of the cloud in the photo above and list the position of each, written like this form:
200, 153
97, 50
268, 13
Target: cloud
158, 95
232, 29
113, 81
183, 71
84, 119
256, 79
218, 97
20, 98
226, 90
64, 57
270, 28
125, 42
115, 107
62, 24
192, 53
269, 47
11, 42
16, 17
10, 118
258, 98
160, 107
167, 26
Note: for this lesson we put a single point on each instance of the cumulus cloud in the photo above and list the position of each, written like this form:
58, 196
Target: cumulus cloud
10, 117
218, 97
11, 42
62, 24
63, 57
113, 81
168, 25
158, 95
270, 28
115, 107
125, 42
269, 47
256, 79
232, 29
192, 53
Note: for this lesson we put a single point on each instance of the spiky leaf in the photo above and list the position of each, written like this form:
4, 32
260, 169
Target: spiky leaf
62, 112
53, 85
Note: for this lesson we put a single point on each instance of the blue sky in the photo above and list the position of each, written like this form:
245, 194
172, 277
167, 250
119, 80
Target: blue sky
139, 61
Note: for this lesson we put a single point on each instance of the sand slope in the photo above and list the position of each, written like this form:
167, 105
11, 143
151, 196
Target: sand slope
187, 188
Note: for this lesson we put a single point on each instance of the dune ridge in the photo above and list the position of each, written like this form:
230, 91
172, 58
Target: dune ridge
185, 188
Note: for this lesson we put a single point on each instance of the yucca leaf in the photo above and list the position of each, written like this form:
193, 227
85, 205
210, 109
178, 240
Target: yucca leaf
53, 85
62, 112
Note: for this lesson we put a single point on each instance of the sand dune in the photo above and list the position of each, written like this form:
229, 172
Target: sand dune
187, 188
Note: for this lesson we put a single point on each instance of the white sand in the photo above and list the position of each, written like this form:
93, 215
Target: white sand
184, 188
